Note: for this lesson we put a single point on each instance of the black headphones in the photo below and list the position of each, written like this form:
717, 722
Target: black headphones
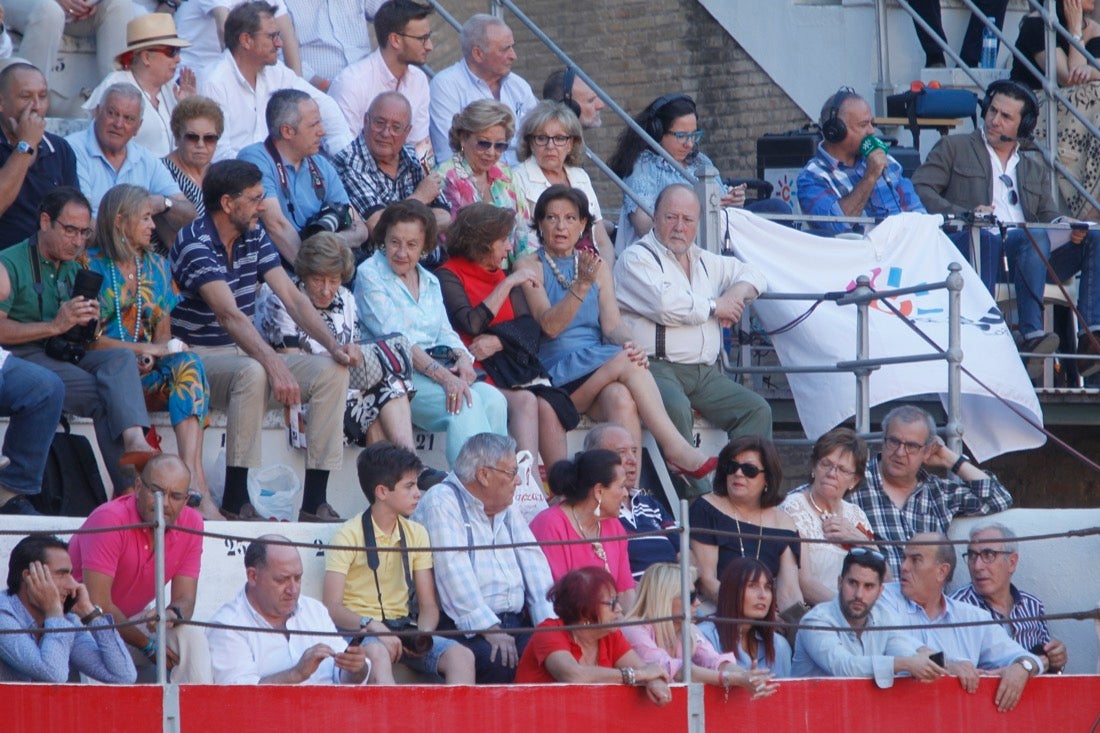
567, 91
833, 128
654, 126
1029, 117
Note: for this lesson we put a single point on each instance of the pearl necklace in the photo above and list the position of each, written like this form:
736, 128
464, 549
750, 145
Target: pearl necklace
824, 514
137, 297
565, 284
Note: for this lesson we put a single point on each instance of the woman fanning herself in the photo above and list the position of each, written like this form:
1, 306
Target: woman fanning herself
134, 302
748, 595
592, 490
747, 493
587, 349
661, 643
586, 596
487, 308
820, 512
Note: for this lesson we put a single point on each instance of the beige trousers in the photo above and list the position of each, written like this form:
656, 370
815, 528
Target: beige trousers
42, 23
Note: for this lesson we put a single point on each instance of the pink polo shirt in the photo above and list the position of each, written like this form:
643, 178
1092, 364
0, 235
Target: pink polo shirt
127, 555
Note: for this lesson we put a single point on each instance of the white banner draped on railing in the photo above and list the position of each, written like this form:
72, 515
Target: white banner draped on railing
903, 251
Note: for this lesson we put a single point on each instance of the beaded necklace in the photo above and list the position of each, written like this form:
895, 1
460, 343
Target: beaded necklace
137, 296
565, 284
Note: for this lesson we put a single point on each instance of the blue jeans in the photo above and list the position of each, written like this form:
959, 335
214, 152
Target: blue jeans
1030, 275
31, 396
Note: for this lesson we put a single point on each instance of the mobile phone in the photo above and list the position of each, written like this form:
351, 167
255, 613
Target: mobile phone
67, 606
355, 641
938, 658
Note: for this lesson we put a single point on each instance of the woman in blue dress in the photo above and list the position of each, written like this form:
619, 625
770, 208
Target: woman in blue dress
587, 348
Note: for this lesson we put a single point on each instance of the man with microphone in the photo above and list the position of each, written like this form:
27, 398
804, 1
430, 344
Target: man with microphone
984, 173
852, 174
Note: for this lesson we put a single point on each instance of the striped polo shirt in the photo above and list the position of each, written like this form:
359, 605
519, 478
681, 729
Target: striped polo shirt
1027, 634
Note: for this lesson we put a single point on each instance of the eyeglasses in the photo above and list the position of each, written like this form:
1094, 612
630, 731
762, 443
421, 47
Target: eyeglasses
178, 497
1013, 197
273, 35
424, 39
892, 444
747, 469
73, 232
377, 124
195, 138
489, 144
827, 467
987, 555
169, 51
688, 136
612, 604
864, 552
254, 200
559, 141
511, 473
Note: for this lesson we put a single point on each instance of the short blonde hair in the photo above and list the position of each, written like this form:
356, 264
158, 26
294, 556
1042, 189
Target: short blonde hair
478, 116
123, 200
659, 587
540, 115
325, 254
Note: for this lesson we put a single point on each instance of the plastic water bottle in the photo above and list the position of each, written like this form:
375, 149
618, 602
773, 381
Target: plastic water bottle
990, 46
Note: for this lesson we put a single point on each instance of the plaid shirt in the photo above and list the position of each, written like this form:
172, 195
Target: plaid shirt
1024, 605
369, 188
930, 508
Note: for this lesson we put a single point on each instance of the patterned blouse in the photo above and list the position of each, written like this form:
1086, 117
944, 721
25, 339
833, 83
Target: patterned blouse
460, 189
279, 329
118, 316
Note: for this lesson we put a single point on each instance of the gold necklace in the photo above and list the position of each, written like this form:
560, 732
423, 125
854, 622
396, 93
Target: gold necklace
597, 546
740, 540
824, 514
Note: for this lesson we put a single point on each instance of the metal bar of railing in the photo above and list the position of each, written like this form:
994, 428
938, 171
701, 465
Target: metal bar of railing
954, 357
686, 637
158, 574
627, 190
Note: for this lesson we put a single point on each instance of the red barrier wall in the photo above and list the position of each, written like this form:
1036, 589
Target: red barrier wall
1055, 704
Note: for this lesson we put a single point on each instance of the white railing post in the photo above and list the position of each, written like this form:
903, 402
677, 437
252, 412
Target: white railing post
954, 357
709, 191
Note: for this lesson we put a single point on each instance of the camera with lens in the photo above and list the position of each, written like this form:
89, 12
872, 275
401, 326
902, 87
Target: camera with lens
418, 644
72, 345
334, 218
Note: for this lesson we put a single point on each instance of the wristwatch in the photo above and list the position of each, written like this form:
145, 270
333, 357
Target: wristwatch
713, 308
365, 621
92, 615
24, 147
167, 204
1029, 664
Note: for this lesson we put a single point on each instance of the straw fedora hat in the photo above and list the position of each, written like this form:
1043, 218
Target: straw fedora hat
152, 29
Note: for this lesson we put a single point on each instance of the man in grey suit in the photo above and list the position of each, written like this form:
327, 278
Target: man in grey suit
984, 172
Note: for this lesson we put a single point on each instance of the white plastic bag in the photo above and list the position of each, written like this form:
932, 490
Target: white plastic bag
275, 492
529, 498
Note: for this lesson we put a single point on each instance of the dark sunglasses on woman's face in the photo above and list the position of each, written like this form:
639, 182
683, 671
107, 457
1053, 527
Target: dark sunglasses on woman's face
487, 144
169, 51
749, 470
194, 138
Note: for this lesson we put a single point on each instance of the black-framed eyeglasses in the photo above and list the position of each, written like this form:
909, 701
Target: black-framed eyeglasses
892, 444
424, 39
612, 604
559, 141
272, 35
511, 473
489, 144
73, 232
1013, 197
987, 555
747, 469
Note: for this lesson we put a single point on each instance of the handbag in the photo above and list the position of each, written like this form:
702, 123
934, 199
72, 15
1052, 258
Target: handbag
383, 358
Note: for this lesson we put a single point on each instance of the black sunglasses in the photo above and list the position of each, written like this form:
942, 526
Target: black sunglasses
864, 551
194, 138
486, 144
749, 470
1013, 197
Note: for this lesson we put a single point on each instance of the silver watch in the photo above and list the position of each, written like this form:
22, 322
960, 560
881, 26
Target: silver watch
1029, 664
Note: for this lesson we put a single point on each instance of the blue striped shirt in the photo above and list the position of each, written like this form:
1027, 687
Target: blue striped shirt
1028, 634
199, 257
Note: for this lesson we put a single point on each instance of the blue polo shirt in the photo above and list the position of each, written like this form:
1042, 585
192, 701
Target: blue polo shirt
54, 165
97, 175
199, 257
307, 197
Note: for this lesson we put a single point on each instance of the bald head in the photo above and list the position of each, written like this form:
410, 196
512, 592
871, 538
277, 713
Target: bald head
676, 217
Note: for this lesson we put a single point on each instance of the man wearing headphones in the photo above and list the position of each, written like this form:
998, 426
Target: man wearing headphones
563, 85
983, 172
852, 174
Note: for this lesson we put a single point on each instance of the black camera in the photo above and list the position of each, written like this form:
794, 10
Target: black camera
417, 644
71, 346
329, 219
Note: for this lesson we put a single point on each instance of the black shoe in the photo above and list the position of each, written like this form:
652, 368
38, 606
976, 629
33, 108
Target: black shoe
19, 505
1045, 343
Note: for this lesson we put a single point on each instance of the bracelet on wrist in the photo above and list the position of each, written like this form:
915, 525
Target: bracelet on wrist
630, 678
958, 464
92, 615
150, 649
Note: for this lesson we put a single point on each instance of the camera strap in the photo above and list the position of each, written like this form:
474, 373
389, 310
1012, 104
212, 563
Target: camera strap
284, 180
372, 562
36, 272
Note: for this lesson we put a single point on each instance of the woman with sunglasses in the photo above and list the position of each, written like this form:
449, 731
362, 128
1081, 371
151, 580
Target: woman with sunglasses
596, 654
197, 125
149, 62
820, 512
748, 489
748, 593
591, 488
660, 642
479, 136
551, 148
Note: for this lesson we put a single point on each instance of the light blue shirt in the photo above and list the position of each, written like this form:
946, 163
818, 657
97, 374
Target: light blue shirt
843, 653
97, 175
385, 305
299, 182
781, 667
986, 647
455, 87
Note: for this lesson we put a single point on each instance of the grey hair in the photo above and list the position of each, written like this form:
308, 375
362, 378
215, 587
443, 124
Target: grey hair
945, 551
540, 115
1007, 535
285, 108
483, 449
125, 90
475, 31
595, 436
909, 414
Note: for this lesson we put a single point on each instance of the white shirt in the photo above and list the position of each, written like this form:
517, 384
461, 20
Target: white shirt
533, 182
455, 87
332, 34
244, 657
355, 88
1003, 209
245, 108
155, 133
195, 23
653, 288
